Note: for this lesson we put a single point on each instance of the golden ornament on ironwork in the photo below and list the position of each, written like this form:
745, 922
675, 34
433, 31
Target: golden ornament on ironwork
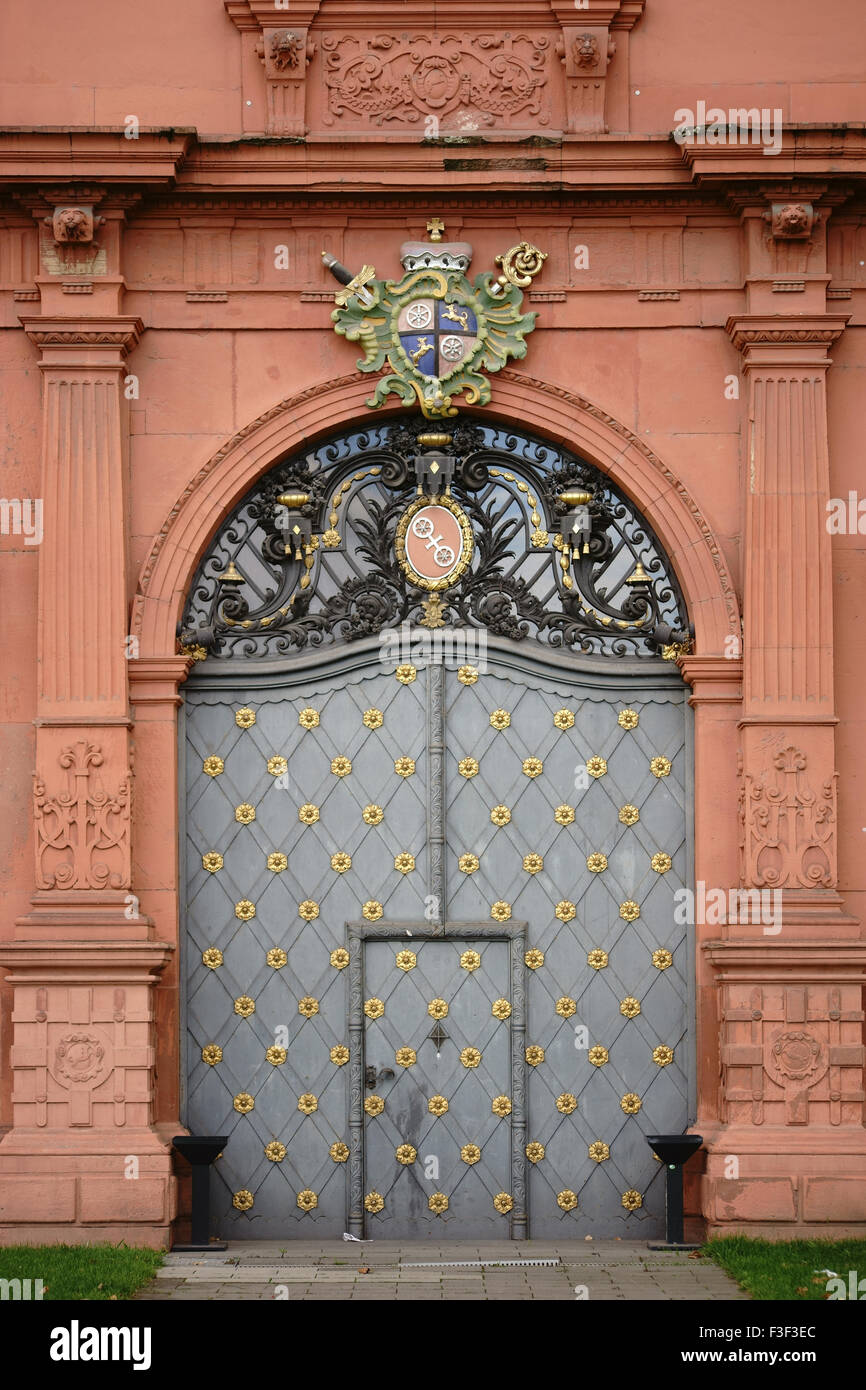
339, 1152
627, 719
470, 960
374, 1202
533, 863
662, 1055
309, 718
405, 1057
437, 1105
629, 815
433, 610
406, 673
212, 957
197, 652
597, 863
534, 958
501, 1106
308, 1103
630, 1007
631, 1200
500, 911
276, 1055
468, 767
470, 1153
374, 1008
212, 861
308, 814
308, 1006
532, 767
245, 813
243, 1200
467, 675
629, 911
468, 863
563, 719
598, 1055
277, 862
503, 1203
500, 1008
245, 910
534, 1055
566, 1200
660, 767
500, 719
373, 815
597, 959
275, 1152
243, 1103
341, 766
341, 863
245, 718
339, 958
276, 958
630, 1103
330, 538
406, 1153
245, 1006
564, 815
535, 1151
307, 1200
212, 1054
540, 539
500, 815
566, 1007
213, 765
339, 1055
596, 767
405, 960
470, 1057
404, 767
662, 959
308, 909
599, 1152
277, 766
437, 1203
660, 863
373, 719
437, 1008
565, 910
404, 862
374, 1105
566, 1104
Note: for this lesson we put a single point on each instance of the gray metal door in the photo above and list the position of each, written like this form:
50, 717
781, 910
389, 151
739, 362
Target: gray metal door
534, 814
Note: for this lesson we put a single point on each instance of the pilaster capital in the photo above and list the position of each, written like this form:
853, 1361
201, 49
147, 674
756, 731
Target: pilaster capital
767, 340
76, 340
713, 679
155, 679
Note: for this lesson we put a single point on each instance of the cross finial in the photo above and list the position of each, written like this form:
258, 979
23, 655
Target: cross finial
436, 227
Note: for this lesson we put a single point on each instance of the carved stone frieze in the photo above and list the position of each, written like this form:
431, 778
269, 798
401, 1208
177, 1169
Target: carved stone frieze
465, 81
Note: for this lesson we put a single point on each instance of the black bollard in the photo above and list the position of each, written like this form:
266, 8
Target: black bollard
674, 1150
200, 1150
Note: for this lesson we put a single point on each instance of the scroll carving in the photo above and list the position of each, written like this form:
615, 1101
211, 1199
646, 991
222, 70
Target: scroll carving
788, 830
82, 834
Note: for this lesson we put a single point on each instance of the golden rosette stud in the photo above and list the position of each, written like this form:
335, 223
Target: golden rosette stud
662, 959
275, 1152
374, 1105
566, 1007
276, 958
307, 1200
339, 1055
212, 861
534, 958
245, 814
405, 1057
566, 1200
437, 1105
244, 1006
245, 718
566, 1104
437, 1202
405, 960
308, 1006
631, 1200
339, 958
503, 1203
212, 958
374, 1202
213, 765
309, 718
535, 1151
630, 1103
501, 1009
212, 1054
308, 814
470, 1057
470, 1153
596, 766
627, 719
374, 1008
534, 1055
628, 814
599, 1152
629, 1007
243, 1103
243, 1200
501, 1106
437, 1008
307, 1103
405, 1153
470, 960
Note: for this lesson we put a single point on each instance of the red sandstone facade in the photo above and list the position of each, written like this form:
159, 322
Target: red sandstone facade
700, 338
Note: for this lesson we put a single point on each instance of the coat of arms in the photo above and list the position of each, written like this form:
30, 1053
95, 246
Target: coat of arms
438, 331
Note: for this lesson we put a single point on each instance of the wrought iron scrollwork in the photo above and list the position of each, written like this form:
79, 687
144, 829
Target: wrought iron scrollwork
615, 594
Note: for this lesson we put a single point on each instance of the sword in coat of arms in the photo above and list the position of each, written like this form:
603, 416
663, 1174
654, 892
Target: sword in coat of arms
438, 331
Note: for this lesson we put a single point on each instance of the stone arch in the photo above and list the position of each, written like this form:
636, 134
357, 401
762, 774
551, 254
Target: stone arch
548, 410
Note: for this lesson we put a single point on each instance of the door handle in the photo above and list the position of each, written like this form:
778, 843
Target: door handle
371, 1075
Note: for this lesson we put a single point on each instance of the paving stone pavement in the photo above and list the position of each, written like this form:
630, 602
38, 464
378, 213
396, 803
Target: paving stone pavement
306, 1270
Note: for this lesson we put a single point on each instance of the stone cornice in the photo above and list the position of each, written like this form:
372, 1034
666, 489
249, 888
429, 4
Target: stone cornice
98, 154
123, 332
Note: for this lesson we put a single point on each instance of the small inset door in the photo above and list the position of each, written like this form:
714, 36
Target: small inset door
438, 1088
